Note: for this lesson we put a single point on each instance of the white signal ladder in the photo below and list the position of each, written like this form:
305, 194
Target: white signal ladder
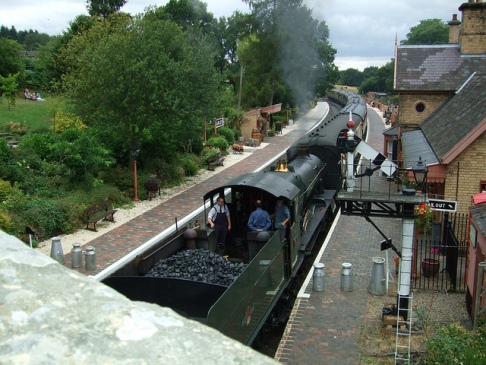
404, 332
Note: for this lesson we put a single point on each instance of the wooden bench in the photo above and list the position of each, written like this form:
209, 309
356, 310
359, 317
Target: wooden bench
215, 160
152, 186
97, 212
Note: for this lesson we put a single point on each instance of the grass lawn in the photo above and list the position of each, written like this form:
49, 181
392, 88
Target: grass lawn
33, 114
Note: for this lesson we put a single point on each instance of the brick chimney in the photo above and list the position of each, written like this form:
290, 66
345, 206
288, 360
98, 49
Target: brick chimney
454, 26
473, 27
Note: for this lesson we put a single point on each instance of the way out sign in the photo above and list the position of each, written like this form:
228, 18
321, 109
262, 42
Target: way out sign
443, 205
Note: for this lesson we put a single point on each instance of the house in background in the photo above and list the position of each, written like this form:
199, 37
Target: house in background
258, 121
442, 115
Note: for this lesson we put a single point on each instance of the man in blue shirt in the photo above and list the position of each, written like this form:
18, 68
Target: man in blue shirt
259, 219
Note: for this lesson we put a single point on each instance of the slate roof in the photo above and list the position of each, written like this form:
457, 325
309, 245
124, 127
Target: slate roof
479, 214
434, 67
451, 122
415, 145
392, 131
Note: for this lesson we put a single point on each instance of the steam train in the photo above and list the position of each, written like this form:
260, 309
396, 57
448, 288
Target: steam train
308, 177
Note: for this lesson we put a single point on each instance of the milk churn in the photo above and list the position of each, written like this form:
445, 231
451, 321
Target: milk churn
56, 250
378, 279
346, 277
76, 256
90, 258
318, 277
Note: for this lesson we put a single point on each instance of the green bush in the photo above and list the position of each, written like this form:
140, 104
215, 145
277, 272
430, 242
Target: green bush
5, 151
5, 222
120, 177
453, 344
197, 146
5, 189
64, 121
228, 134
219, 142
208, 152
190, 163
46, 215
168, 173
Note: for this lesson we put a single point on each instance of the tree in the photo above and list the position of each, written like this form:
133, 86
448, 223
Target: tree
104, 8
351, 77
429, 31
288, 57
189, 14
8, 87
10, 60
155, 87
379, 79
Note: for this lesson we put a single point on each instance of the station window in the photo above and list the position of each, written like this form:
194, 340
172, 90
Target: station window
482, 186
420, 107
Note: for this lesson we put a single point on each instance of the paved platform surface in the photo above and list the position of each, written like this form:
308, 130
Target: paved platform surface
119, 242
324, 327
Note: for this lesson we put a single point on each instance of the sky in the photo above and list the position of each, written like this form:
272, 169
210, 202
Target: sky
362, 31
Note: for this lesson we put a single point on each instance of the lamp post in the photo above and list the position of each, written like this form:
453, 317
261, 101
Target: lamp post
134, 150
420, 171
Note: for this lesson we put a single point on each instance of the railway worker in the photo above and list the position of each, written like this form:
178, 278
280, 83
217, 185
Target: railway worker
259, 219
219, 219
282, 217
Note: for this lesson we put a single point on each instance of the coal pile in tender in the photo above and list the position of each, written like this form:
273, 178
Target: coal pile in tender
198, 265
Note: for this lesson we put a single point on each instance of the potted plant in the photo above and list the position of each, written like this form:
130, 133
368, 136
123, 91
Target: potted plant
423, 217
430, 266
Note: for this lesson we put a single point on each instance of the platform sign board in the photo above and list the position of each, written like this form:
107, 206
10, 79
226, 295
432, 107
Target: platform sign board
219, 122
443, 205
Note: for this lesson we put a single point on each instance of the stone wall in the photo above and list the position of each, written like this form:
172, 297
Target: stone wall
50, 314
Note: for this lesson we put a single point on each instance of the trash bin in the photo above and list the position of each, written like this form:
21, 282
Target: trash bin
378, 279
278, 127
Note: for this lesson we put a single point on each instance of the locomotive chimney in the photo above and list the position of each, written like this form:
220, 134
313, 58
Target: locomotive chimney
304, 151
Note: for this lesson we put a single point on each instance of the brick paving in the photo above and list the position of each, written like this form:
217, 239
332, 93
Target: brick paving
119, 242
325, 328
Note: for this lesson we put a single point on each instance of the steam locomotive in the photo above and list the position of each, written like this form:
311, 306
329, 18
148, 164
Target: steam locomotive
308, 177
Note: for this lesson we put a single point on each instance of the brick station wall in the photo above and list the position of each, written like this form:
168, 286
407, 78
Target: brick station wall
471, 169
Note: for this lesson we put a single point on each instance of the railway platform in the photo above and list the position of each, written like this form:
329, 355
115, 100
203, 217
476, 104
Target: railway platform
325, 326
116, 244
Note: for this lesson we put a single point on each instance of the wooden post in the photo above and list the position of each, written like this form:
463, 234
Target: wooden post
135, 180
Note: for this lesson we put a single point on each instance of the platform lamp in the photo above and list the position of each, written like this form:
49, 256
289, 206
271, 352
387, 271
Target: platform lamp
134, 150
420, 171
